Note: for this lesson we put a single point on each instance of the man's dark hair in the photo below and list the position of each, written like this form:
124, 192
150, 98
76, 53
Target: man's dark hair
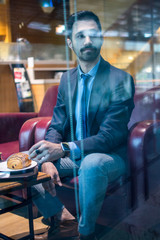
81, 15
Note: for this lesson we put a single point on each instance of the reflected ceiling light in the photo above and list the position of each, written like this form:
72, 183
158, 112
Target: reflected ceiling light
47, 6
148, 70
60, 29
158, 68
130, 58
22, 40
111, 33
40, 26
147, 35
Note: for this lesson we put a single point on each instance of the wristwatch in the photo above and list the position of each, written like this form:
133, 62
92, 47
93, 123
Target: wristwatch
66, 149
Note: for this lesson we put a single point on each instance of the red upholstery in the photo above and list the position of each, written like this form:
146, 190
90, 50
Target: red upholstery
144, 143
32, 131
26, 134
144, 150
11, 123
41, 129
146, 106
9, 148
49, 102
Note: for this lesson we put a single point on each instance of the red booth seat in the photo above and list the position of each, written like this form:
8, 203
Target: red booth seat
11, 123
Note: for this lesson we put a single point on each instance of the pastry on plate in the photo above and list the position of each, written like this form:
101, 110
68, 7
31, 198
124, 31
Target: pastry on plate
18, 161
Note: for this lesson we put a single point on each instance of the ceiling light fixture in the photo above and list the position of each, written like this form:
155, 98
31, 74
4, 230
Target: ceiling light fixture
47, 6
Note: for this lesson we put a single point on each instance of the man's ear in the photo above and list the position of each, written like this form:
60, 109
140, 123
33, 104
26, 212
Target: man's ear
69, 43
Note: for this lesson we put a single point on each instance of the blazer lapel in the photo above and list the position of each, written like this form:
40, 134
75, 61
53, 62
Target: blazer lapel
73, 79
98, 89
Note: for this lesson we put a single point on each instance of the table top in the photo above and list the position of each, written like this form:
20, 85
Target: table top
5, 186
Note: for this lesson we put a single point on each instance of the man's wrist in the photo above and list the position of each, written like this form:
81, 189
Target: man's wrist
66, 149
62, 154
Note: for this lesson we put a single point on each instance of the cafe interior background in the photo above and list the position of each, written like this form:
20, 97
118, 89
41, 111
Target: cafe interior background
32, 34
33, 52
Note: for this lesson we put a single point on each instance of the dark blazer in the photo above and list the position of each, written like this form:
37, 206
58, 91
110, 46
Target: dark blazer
110, 107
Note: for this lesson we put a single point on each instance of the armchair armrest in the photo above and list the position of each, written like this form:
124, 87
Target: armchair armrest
10, 124
26, 135
33, 131
144, 143
41, 128
143, 149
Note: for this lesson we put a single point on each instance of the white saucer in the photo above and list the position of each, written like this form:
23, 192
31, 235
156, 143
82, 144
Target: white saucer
4, 175
4, 168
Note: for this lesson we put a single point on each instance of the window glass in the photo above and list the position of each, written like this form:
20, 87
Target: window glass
34, 55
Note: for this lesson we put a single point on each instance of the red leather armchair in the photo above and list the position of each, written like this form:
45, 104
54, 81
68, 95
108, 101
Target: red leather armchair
11, 123
143, 151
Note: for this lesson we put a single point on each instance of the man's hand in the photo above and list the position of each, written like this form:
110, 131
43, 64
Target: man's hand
45, 151
50, 169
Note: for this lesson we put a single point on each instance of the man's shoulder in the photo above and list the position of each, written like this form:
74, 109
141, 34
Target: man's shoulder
70, 72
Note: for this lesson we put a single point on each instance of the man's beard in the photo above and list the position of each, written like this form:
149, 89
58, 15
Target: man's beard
90, 55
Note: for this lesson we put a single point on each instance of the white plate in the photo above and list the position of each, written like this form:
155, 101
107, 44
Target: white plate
4, 175
4, 168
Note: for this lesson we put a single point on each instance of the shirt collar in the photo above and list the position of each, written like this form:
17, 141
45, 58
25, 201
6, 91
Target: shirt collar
92, 72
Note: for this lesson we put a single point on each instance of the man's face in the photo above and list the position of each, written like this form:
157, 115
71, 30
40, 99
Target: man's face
86, 40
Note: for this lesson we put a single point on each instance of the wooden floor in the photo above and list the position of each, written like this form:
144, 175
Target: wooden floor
16, 226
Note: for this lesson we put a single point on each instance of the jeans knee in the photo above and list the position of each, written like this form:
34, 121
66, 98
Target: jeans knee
92, 163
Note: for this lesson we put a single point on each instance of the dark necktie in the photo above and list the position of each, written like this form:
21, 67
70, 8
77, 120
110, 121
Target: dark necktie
85, 77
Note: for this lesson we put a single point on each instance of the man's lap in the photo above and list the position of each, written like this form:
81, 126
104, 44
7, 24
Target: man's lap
111, 164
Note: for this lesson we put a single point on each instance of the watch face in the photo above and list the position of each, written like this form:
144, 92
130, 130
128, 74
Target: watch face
66, 149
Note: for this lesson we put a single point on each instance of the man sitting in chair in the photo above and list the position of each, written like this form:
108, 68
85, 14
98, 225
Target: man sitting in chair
90, 136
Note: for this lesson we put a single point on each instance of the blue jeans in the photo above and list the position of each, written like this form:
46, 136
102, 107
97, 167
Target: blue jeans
95, 172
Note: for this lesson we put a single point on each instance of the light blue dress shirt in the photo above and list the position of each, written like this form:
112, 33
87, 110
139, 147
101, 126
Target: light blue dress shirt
92, 73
